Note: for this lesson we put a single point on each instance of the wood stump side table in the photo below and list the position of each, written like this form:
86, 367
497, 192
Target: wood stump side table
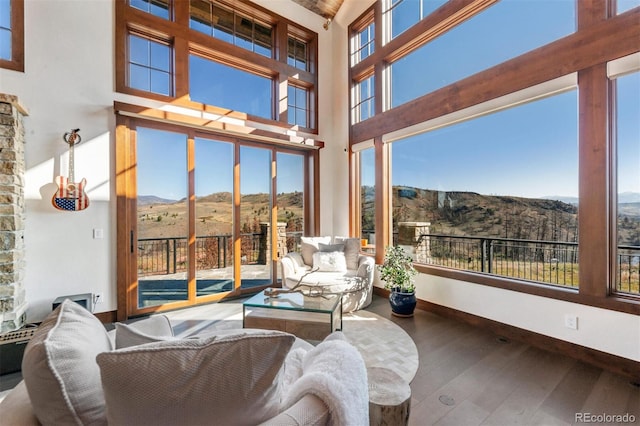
389, 398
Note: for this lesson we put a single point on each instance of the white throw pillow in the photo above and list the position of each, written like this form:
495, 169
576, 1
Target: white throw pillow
156, 328
60, 370
309, 245
331, 261
233, 379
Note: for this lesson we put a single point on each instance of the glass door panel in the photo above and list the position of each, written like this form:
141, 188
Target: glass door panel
214, 216
290, 199
162, 217
255, 216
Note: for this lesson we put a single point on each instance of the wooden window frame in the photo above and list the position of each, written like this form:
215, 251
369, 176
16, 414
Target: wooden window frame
600, 37
186, 40
17, 38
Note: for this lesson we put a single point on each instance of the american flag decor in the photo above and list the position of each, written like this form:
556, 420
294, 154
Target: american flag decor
70, 196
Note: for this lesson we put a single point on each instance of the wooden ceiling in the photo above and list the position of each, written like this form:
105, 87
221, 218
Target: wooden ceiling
325, 8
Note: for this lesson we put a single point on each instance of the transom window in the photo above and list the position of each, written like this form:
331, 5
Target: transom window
363, 44
297, 54
159, 8
364, 99
501, 32
150, 65
402, 14
298, 106
227, 25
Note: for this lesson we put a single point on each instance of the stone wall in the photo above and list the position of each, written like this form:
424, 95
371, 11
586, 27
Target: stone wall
409, 236
13, 304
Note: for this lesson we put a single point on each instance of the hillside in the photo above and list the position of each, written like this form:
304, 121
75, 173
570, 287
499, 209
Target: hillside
449, 212
469, 213
158, 217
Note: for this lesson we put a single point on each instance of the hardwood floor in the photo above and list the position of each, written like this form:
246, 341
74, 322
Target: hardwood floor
468, 376
471, 377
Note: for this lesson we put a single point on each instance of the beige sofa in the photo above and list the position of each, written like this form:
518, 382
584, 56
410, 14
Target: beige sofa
75, 372
331, 265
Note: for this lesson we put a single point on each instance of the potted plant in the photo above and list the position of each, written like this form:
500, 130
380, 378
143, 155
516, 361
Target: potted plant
397, 272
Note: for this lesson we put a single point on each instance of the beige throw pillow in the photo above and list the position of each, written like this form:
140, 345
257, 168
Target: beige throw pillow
60, 370
156, 328
351, 250
226, 380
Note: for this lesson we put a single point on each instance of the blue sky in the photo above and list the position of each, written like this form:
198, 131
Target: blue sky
528, 151
163, 154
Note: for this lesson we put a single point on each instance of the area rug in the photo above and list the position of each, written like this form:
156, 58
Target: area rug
381, 342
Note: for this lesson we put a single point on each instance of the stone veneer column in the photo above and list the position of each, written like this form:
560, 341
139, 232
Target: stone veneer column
13, 304
409, 235
265, 239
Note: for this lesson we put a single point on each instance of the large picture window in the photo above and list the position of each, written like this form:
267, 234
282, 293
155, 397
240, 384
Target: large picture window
501, 123
367, 191
627, 109
210, 84
496, 194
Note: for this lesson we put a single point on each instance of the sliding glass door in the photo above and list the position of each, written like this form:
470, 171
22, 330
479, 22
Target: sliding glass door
162, 217
255, 216
214, 216
201, 216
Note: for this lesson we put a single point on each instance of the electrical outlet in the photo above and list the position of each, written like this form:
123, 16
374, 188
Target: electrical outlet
98, 298
571, 321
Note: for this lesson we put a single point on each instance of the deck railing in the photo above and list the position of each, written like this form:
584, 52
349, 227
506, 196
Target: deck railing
169, 255
550, 262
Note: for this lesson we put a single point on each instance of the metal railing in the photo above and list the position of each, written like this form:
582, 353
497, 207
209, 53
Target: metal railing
550, 262
169, 255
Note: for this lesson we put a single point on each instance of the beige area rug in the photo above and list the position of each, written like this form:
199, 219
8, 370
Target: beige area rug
381, 342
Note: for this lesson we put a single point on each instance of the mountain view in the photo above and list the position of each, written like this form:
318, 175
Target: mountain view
449, 212
469, 213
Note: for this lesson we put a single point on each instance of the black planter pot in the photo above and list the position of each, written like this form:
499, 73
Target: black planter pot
402, 304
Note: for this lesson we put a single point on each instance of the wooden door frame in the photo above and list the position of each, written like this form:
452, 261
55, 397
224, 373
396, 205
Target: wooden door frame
126, 214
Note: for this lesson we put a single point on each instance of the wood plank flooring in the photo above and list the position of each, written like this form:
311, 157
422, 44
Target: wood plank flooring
469, 377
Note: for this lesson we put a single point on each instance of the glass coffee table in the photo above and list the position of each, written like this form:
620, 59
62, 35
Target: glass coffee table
307, 317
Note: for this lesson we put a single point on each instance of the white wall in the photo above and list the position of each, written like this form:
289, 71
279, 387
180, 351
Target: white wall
69, 82
608, 331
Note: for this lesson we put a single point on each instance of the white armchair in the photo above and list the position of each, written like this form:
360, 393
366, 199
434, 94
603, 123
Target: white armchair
356, 284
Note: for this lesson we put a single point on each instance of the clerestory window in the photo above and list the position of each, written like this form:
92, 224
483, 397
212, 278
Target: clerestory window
218, 55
